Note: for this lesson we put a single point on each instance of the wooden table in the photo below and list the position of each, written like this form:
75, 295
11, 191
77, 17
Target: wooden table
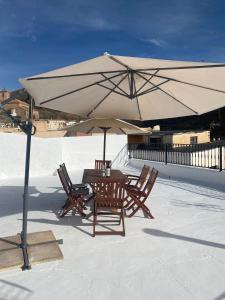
91, 176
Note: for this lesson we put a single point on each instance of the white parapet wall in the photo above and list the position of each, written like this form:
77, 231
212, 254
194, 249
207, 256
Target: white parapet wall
203, 176
47, 154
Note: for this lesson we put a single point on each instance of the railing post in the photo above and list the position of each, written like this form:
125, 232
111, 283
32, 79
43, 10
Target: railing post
220, 158
166, 152
129, 150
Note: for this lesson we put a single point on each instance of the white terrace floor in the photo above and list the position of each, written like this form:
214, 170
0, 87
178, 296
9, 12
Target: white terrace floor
178, 255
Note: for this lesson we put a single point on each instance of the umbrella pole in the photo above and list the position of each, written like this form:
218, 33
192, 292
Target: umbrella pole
24, 245
104, 144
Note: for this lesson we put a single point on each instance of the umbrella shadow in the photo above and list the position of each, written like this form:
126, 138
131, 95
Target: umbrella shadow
12, 202
74, 221
164, 234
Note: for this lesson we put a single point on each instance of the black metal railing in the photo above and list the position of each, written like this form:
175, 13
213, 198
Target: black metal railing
207, 155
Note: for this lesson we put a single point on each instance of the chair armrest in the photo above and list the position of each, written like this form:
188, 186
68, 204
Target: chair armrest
135, 191
132, 176
79, 186
80, 192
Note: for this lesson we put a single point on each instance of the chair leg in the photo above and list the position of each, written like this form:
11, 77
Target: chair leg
94, 219
65, 211
64, 205
140, 205
123, 224
75, 204
129, 203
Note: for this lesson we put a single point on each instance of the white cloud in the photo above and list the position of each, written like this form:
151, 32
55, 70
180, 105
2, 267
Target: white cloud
156, 42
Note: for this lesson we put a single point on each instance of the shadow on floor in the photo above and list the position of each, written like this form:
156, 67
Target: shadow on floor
199, 205
192, 188
12, 202
160, 233
11, 291
71, 220
220, 297
75, 221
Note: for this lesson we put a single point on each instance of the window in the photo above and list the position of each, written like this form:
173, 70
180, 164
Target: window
194, 139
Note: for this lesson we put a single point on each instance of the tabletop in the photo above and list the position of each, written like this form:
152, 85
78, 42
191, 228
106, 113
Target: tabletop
93, 175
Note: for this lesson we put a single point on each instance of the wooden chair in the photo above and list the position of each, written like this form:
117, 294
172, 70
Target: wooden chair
108, 200
75, 200
100, 163
138, 181
67, 177
138, 196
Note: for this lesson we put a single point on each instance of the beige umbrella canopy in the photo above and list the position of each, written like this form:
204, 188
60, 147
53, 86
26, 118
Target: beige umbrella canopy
131, 88
104, 125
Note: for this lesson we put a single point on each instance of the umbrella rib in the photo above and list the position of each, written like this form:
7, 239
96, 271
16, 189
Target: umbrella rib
168, 94
106, 96
184, 82
90, 130
147, 81
139, 110
74, 75
110, 89
77, 90
125, 94
122, 130
183, 68
127, 67
152, 89
118, 61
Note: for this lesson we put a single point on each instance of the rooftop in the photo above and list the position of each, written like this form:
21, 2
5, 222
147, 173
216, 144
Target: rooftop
170, 132
178, 255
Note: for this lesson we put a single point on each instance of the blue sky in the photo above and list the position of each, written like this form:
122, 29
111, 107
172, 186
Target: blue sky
37, 35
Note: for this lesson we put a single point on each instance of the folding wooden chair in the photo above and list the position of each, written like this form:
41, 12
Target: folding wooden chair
138, 181
67, 177
108, 200
75, 200
100, 163
138, 196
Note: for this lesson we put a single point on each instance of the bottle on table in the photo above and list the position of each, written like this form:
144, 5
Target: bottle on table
108, 170
103, 170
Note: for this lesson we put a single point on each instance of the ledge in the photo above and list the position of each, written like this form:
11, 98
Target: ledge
195, 175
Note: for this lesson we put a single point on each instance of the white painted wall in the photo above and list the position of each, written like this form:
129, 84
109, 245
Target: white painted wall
207, 177
47, 154
81, 152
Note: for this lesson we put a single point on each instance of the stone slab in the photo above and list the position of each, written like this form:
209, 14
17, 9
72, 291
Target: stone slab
11, 255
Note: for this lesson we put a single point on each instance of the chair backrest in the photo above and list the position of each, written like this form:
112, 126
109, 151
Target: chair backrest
100, 163
66, 175
63, 180
150, 183
110, 191
143, 176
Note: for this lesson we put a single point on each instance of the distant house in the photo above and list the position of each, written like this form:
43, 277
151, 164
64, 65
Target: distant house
171, 137
17, 108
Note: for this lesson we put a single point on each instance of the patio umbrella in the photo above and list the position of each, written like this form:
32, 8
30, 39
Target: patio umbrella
127, 88
130, 88
103, 125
